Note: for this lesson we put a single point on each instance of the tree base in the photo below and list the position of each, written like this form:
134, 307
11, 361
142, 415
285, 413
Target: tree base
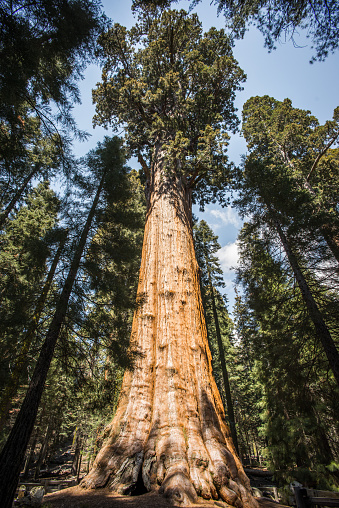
132, 478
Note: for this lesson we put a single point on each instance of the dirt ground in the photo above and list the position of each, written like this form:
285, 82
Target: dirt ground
76, 497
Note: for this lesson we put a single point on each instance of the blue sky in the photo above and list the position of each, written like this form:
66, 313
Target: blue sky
286, 72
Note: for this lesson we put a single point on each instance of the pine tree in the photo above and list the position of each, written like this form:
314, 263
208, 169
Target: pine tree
84, 381
29, 334
286, 147
294, 154
247, 388
25, 248
206, 246
298, 421
43, 50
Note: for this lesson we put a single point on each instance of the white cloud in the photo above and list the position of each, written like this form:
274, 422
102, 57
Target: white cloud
228, 256
228, 216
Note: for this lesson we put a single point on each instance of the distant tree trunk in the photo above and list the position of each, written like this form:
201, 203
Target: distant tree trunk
13, 453
77, 451
30, 455
79, 460
43, 451
229, 402
312, 307
13, 383
169, 431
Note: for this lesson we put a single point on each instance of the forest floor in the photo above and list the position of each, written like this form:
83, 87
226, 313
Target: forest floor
77, 497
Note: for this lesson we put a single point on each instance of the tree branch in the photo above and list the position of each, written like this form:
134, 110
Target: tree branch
315, 163
144, 166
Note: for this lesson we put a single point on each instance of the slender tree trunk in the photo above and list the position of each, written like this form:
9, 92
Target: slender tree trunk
312, 307
14, 450
43, 451
4, 215
80, 460
169, 426
30, 455
14, 381
77, 449
230, 410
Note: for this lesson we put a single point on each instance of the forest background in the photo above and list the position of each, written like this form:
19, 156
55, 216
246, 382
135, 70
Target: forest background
76, 295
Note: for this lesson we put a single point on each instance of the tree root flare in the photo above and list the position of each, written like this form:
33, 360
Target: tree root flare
179, 490
95, 481
228, 495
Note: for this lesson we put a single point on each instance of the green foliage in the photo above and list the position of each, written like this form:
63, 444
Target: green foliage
25, 248
112, 267
291, 154
104, 293
44, 48
290, 208
83, 385
247, 388
279, 19
25, 151
93, 346
206, 246
290, 177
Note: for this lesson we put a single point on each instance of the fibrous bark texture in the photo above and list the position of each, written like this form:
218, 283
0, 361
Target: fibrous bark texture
169, 428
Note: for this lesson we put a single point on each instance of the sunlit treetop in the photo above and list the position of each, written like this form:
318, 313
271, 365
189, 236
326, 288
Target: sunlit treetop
275, 128
168, 83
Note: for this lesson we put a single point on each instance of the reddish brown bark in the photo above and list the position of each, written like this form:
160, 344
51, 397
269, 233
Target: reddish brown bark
170, 424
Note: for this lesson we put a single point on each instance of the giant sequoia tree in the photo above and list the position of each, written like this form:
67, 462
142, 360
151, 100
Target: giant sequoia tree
174, 94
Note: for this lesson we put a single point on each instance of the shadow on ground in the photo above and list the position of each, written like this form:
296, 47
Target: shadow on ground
77, 497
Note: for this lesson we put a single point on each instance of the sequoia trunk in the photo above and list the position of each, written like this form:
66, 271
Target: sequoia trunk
169, 428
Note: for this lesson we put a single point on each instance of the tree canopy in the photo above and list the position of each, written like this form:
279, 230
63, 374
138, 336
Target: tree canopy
168, 83
44, 48
290, 154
